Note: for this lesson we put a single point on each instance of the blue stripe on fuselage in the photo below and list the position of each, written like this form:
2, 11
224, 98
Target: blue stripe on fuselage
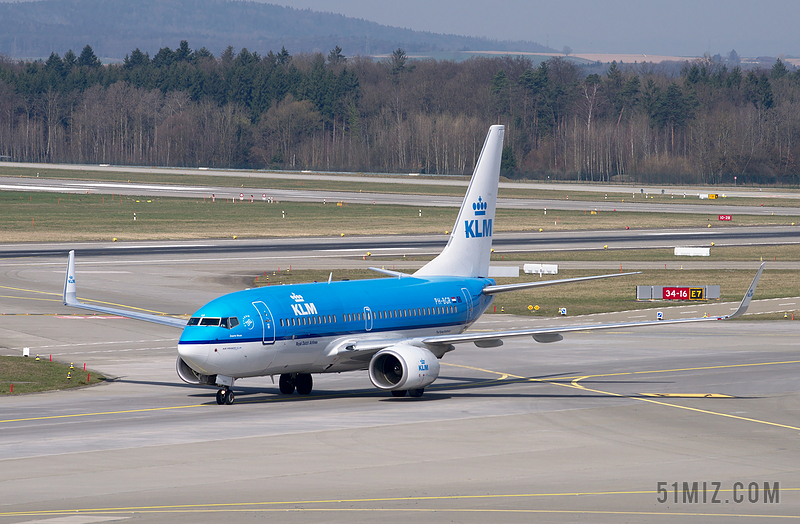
319, 303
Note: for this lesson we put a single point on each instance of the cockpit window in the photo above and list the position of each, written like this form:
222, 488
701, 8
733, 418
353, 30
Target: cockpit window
229, 322
193, 321
209, 321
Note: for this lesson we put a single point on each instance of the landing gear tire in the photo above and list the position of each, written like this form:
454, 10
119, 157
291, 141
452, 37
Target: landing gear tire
229, 398
304, 383
416, 392
399, 393
286, 384
220, 397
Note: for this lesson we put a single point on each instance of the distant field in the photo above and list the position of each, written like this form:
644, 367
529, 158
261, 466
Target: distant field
42, 217
630, 58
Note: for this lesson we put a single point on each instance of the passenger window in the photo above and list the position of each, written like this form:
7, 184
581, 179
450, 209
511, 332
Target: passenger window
193, 321
294, 321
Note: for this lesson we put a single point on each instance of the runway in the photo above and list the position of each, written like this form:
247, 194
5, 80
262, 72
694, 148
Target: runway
415, 179
580, 430
352, 197
399, 245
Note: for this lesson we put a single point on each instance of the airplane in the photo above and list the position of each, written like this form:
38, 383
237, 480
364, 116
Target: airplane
397, 328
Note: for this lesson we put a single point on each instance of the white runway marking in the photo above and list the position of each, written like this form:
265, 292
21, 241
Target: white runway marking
99, 343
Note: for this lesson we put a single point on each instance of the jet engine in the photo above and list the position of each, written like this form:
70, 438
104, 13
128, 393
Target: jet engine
403, 367
191, 376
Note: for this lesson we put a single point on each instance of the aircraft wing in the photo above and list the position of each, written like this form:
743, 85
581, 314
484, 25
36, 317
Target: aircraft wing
71, 300
553, 334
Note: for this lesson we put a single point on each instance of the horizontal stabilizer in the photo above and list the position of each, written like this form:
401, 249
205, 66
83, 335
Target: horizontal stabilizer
491, 290
389, 272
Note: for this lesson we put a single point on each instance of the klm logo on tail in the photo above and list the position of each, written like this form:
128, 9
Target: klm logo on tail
478, 228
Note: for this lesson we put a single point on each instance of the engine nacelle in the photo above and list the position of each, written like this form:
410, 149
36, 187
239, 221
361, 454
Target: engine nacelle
191, 376
403, 367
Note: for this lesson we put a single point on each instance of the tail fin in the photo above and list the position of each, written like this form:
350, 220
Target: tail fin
470, 246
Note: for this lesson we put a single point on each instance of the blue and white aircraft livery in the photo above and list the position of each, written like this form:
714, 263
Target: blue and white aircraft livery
397, 328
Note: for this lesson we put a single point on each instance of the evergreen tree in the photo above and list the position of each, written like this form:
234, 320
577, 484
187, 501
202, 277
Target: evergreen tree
87, 58
779, 70
335, 57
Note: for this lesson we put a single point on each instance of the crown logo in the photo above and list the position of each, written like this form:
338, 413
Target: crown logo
479, 207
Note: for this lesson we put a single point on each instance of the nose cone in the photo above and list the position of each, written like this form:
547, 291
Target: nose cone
195, 355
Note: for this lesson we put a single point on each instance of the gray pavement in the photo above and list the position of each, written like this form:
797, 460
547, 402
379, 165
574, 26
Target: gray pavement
581, 430
394, 247
302, 195
406, 178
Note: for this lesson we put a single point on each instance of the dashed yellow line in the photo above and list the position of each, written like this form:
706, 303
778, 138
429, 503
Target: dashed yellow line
30, 298
30, 290
83, 299
486, 511
77, 415
280, 505
575, 384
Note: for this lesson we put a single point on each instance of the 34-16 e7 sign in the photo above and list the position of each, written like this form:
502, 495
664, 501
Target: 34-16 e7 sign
683, 293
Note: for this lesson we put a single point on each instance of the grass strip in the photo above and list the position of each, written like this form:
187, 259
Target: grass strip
26, 375
42, 217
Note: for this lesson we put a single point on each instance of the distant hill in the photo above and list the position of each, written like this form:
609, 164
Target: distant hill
115, 27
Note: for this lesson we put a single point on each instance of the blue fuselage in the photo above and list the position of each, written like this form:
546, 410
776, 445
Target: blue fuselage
283, 329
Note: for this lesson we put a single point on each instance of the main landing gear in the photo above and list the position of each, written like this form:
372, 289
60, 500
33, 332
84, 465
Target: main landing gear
225, 396
411, 392
300, 381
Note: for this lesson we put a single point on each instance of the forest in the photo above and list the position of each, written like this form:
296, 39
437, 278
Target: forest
705, 122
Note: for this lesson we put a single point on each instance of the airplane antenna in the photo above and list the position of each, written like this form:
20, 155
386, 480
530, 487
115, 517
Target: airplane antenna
330, 277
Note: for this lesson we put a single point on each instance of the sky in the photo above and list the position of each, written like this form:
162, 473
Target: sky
657, 27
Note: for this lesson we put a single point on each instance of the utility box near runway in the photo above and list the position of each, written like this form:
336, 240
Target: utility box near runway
504, 271
541, 269
677, 293
692, 251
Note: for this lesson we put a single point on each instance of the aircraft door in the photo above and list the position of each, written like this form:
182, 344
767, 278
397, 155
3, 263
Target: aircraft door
468, 299
267, 323
367, 318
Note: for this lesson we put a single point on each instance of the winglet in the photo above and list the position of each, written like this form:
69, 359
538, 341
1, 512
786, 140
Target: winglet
70, 298
748, 296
